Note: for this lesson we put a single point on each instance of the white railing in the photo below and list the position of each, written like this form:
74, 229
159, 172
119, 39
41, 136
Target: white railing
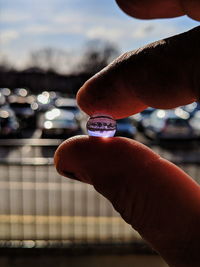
36, 203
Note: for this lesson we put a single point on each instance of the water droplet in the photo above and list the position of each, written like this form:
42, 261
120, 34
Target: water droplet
101, 126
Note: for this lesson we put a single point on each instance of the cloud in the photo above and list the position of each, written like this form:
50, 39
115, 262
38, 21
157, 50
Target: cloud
100, 32
68, 24
153, 30
135, 31
38, 29
111, 28
8, 36
71, 21
11, 16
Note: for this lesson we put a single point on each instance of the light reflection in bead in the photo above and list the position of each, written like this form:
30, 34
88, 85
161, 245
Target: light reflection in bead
101, 126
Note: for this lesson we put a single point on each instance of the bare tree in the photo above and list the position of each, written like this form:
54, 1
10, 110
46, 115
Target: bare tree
49, 59
5, 64
97, 55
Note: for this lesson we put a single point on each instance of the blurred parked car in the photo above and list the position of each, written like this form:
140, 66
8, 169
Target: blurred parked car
195, 123
58, 123
191, 108
44, 101
169, 124
67, 104
25, 113
125, 128
5, 92
140, 119
23, 92
9, 125
2, 99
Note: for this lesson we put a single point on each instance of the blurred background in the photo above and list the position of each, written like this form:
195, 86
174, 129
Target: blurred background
48, 50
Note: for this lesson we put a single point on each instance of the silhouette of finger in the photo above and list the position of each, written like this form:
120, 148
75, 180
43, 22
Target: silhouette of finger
164, 74
153, 195
150, 9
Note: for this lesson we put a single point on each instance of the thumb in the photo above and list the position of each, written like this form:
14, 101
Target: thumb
157, 198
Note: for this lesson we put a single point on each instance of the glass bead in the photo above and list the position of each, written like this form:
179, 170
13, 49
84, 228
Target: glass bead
101, 126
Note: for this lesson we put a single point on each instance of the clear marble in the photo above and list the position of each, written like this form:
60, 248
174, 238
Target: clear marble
101, 126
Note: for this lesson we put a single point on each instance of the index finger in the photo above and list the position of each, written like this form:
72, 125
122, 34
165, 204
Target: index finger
164, 74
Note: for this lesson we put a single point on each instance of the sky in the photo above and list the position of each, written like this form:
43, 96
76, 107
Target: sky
30, 25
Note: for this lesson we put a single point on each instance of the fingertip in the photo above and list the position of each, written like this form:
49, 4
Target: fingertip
64, 155
153, 9
82, 156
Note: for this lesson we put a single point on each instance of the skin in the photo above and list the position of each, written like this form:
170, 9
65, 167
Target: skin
157, 198
149, 9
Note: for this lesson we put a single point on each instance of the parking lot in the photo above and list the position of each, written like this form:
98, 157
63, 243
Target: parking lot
39, 205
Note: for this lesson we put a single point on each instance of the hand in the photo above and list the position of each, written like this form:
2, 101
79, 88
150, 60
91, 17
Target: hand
157, 198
